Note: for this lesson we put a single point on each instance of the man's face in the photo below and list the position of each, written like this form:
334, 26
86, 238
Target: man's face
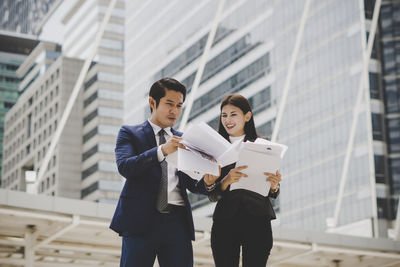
169, 109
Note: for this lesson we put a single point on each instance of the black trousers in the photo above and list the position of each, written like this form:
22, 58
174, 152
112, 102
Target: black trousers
252, 234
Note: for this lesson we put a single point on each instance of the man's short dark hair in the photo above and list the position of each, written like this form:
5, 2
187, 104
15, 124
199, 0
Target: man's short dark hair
157, 90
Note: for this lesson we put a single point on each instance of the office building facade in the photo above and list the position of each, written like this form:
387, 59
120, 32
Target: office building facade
31, 122
250, 55
102, 93
14, 48
97, 114
389, 79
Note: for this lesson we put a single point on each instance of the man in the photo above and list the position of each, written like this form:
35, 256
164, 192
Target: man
153, 214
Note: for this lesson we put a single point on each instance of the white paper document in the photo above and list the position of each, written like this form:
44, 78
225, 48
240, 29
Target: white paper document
205, 147
207, 150
260, 156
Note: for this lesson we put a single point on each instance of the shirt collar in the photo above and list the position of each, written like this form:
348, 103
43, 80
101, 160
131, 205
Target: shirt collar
157, 128
235, 138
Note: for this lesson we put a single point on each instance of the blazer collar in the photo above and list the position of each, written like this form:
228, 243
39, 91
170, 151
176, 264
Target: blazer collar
157, 128
149, 134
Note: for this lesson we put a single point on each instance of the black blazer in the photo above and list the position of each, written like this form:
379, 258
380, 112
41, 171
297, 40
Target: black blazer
232, 202
136, 156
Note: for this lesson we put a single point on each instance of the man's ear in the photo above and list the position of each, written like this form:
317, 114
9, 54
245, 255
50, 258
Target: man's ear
152, 103
247, 116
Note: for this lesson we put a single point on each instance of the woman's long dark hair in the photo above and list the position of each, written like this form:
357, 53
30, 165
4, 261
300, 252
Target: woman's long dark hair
244, 105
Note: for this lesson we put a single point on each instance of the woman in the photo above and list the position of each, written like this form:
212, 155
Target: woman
242, 218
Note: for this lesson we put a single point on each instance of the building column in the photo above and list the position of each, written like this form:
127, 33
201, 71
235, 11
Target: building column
29, 252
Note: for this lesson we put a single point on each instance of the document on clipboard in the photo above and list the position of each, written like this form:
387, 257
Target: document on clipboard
260, 156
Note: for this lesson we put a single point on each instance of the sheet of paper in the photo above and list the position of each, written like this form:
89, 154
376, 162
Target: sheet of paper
282, 147
231, 155
189, 161
204, 138
194, 174
258, 163
173, 159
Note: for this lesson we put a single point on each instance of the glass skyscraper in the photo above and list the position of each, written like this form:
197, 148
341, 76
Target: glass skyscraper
23, 16
250, 55
389, 42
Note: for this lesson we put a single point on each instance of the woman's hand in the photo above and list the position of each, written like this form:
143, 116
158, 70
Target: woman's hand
233, 176
274, 179
210, 179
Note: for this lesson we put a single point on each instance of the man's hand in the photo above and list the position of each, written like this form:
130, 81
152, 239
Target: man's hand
210, 179
172, 145
233, 176
274, 179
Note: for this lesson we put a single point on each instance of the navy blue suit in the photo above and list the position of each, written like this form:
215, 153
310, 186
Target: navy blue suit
136, 214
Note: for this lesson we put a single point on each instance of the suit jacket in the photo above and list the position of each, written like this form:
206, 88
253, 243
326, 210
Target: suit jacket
237, 201
136, 156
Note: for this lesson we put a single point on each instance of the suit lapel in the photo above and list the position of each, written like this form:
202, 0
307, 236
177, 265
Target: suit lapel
149, 134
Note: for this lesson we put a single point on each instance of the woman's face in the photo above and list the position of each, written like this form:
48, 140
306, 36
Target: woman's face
233, 119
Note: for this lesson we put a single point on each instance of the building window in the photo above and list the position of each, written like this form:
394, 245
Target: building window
223, 60
261, 100
90, 99
90, 116
240, 80
374, 85
90, 82
377, 126
214, 123
90, 134
265, 130
190, 54
90, 189
90, 152
89, 171
393, 127
379, 168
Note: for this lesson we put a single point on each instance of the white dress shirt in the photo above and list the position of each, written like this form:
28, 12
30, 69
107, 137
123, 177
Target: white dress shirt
174, 194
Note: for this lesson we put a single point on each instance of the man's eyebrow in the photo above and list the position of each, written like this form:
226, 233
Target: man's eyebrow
173, 102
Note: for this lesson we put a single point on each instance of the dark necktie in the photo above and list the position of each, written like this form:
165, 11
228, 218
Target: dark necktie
162, 199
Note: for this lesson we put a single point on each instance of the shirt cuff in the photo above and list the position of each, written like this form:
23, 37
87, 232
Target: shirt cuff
160, 155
